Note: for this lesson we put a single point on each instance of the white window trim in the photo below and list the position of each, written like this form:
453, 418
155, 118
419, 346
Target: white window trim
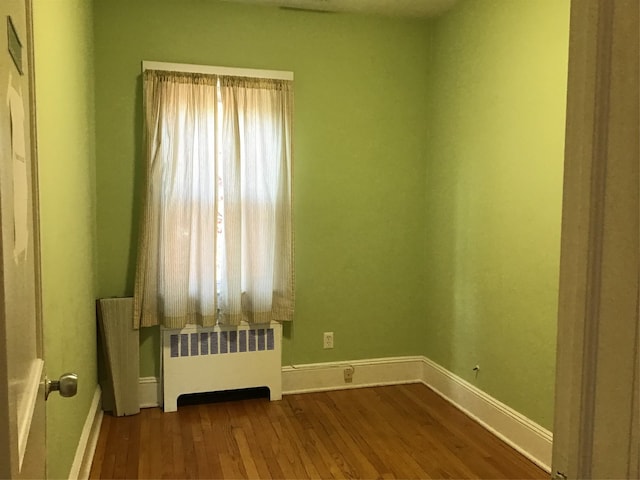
214, 70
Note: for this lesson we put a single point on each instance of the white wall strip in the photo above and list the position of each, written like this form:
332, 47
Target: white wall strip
149, 392
213, 70
374, 372
81, 466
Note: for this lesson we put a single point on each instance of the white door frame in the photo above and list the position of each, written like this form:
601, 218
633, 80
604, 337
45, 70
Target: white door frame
596, 423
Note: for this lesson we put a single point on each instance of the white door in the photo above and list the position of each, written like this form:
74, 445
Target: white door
597, 408
22, 411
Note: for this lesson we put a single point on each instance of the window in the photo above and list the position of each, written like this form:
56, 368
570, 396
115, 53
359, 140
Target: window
216, 242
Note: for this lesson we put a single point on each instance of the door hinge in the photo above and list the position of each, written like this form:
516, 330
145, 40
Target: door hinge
559, 476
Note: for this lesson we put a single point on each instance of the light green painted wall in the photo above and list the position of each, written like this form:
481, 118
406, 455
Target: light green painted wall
63, 32
360, 158
494, 186
428, 170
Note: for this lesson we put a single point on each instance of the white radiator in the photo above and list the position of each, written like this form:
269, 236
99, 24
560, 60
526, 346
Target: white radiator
208, 359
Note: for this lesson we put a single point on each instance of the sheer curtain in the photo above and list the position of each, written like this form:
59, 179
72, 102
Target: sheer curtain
257, 265
216, 238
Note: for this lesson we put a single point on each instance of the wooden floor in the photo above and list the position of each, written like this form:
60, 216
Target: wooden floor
403, 431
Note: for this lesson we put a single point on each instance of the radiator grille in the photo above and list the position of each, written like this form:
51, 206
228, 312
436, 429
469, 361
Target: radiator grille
192, 345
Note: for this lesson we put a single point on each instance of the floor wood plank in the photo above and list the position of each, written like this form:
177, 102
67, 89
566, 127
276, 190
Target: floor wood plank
402, 431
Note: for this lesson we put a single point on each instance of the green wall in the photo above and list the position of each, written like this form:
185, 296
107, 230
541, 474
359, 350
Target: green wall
360, 158
494, 186
63, 32
428, 174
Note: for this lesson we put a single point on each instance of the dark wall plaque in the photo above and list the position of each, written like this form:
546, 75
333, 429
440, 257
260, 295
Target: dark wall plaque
15, 46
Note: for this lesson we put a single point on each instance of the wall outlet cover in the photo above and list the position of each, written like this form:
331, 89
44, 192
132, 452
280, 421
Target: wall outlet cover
348, 374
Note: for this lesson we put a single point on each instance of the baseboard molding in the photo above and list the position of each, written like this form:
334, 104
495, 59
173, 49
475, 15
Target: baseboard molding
81, 465
318, 377
524, 435
149, 393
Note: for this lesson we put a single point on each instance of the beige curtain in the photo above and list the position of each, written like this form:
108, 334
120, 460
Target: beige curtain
257, 262
216, 237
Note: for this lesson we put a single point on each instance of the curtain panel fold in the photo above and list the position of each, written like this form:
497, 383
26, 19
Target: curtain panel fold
216, 240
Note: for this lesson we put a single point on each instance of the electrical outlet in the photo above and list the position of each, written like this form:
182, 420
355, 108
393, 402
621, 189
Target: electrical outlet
327, 340
348, 374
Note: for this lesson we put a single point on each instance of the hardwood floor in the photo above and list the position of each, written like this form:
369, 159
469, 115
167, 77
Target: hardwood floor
403, 431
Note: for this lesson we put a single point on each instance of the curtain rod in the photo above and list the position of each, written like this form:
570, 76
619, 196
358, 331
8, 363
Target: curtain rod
206, 69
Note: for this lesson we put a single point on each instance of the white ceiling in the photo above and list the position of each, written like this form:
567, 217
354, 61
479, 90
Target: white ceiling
402, 8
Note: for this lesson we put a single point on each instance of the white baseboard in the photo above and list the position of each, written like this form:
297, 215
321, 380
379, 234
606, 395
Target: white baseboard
149, 393
317, 377
81, 466
523, 434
